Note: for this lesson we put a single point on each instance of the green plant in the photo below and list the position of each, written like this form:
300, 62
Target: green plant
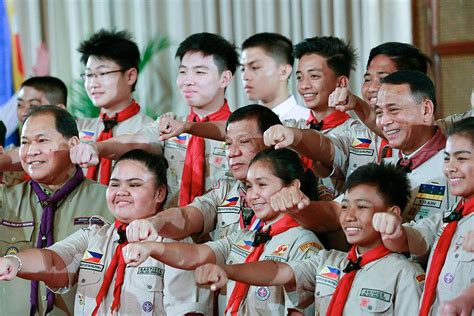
79, 103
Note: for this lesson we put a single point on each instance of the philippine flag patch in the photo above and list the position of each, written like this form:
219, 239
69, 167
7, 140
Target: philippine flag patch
91, 256
361, 143
331, 272
232, 201
180, 139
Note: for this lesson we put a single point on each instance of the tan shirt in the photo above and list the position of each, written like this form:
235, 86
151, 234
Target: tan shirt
388, 286
20, 216
294, 244
457, 273
149, 289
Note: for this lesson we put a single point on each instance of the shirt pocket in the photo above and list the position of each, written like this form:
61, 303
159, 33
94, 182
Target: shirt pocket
15, 239
148, 289
227, 221
372, 306
322, 298
88, 285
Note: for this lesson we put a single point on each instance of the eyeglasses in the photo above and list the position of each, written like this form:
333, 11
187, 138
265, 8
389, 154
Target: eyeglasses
98, 75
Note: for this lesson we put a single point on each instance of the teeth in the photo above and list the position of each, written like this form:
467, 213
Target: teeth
309, 94
392, 131
353, 229
35, 163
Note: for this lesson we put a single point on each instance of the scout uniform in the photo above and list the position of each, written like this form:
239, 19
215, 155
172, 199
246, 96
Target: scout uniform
457, 273
290, 109
175, 152
293, 244
20, 215
446, 122
391, 285
90, 128
149, 289
429, 189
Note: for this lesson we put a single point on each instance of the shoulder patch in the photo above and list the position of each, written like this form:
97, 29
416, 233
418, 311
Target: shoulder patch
310, 244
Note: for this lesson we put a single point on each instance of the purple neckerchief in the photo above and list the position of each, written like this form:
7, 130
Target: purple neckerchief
45, 236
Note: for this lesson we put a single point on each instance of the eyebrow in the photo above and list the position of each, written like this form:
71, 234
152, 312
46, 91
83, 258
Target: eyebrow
128, 180
458, 152
32, 99
98, 67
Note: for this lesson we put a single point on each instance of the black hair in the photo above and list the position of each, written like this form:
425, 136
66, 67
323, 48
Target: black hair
340, 56
3, 132
405, 56
54, 89
114, 45
156, 164
287, 166
264, 117
391, 182
275, 45
223, 52
421, 86
464, 128
64, 122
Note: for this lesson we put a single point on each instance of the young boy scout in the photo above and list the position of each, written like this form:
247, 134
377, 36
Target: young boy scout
53, 204
450, 267
267, 64
369, 279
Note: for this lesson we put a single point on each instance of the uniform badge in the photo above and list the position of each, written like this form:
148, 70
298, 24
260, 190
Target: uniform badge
420, 278
448, 278
330, 273
91, 256
262, 293
280, 250
11, 251
147, 307
232, 201
86, 136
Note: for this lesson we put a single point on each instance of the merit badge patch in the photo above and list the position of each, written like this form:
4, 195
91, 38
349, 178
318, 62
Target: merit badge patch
377, 294
147, 307
262, 293
430, 195
448, 278
420, 278
330, 273
11, 251
280, 250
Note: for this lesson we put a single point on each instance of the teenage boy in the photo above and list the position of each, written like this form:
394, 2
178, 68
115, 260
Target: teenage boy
54, 203
368, 279
111, 59
267, 64
207, 64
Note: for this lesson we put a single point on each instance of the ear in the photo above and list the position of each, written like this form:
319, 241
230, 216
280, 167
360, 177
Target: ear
428, 110
131, 75
160, 194
395, 209
226, 78
73, 141
296, 183
285, 71
62, 106
342, 82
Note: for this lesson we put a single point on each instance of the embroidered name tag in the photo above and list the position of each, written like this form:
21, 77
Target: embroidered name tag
91, 266
377, 294
4, 222
151, 271
88, 221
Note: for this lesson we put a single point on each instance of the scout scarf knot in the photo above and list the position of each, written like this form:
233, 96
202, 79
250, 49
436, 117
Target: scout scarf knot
241, 289
105, 165
334, 119
45, 235
431, 148
339, 298
463, 208
116, 267
193, 179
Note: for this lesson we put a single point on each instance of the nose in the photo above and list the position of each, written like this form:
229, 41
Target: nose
304, 83
349, 214
32, 149
245, 74
374, 86
233, 150
449, 165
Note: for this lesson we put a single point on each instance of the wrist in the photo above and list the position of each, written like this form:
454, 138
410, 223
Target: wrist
18, 260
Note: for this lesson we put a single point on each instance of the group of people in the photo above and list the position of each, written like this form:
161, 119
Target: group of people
337, 207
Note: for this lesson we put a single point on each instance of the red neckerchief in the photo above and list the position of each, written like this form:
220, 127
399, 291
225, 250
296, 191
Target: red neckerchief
339, 298
241, 289
193, 179
385, 150
334, 119
431, 148
117, 264
463, 208
105, 164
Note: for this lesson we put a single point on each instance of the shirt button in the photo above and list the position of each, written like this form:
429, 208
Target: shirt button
43, 298
230, 261
83, 280
149, 287
223, 223
317, 293
13, 238
456, 255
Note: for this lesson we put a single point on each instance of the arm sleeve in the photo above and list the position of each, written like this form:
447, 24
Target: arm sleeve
221, 247
409, 290
421, 235
305, 277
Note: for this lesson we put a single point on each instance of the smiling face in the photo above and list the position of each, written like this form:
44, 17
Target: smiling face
459, 166
243, 141
358, 207
316, 81
380, 67
132, 192
44, 152
29, 97
262, 184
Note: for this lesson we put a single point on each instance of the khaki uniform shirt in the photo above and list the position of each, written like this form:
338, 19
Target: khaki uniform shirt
446, 122
430, 193
391, 285
293, 244
149, 289
457, 273
20, 216
175, 152
90, 128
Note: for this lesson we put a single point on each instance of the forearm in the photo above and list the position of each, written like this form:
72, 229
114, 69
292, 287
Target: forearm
115, 147
178, 223
10, 160
43, 265
261, 273
212, 130
366, 114
398, 244
314, 145
319, 216
182, 255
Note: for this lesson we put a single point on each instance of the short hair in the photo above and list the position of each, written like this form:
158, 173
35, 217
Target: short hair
277, 46
405, 56
287, 166
464, 128
391, 182
223, 52
53, 88
340, 56
114, 45
3, 132
421, 86
64, 122
156, 164
264, 117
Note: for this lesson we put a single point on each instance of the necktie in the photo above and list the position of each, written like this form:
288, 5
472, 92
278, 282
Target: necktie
339, 298
193, 179
439, 254
241, 289
105, 165
116, 267
45, 235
